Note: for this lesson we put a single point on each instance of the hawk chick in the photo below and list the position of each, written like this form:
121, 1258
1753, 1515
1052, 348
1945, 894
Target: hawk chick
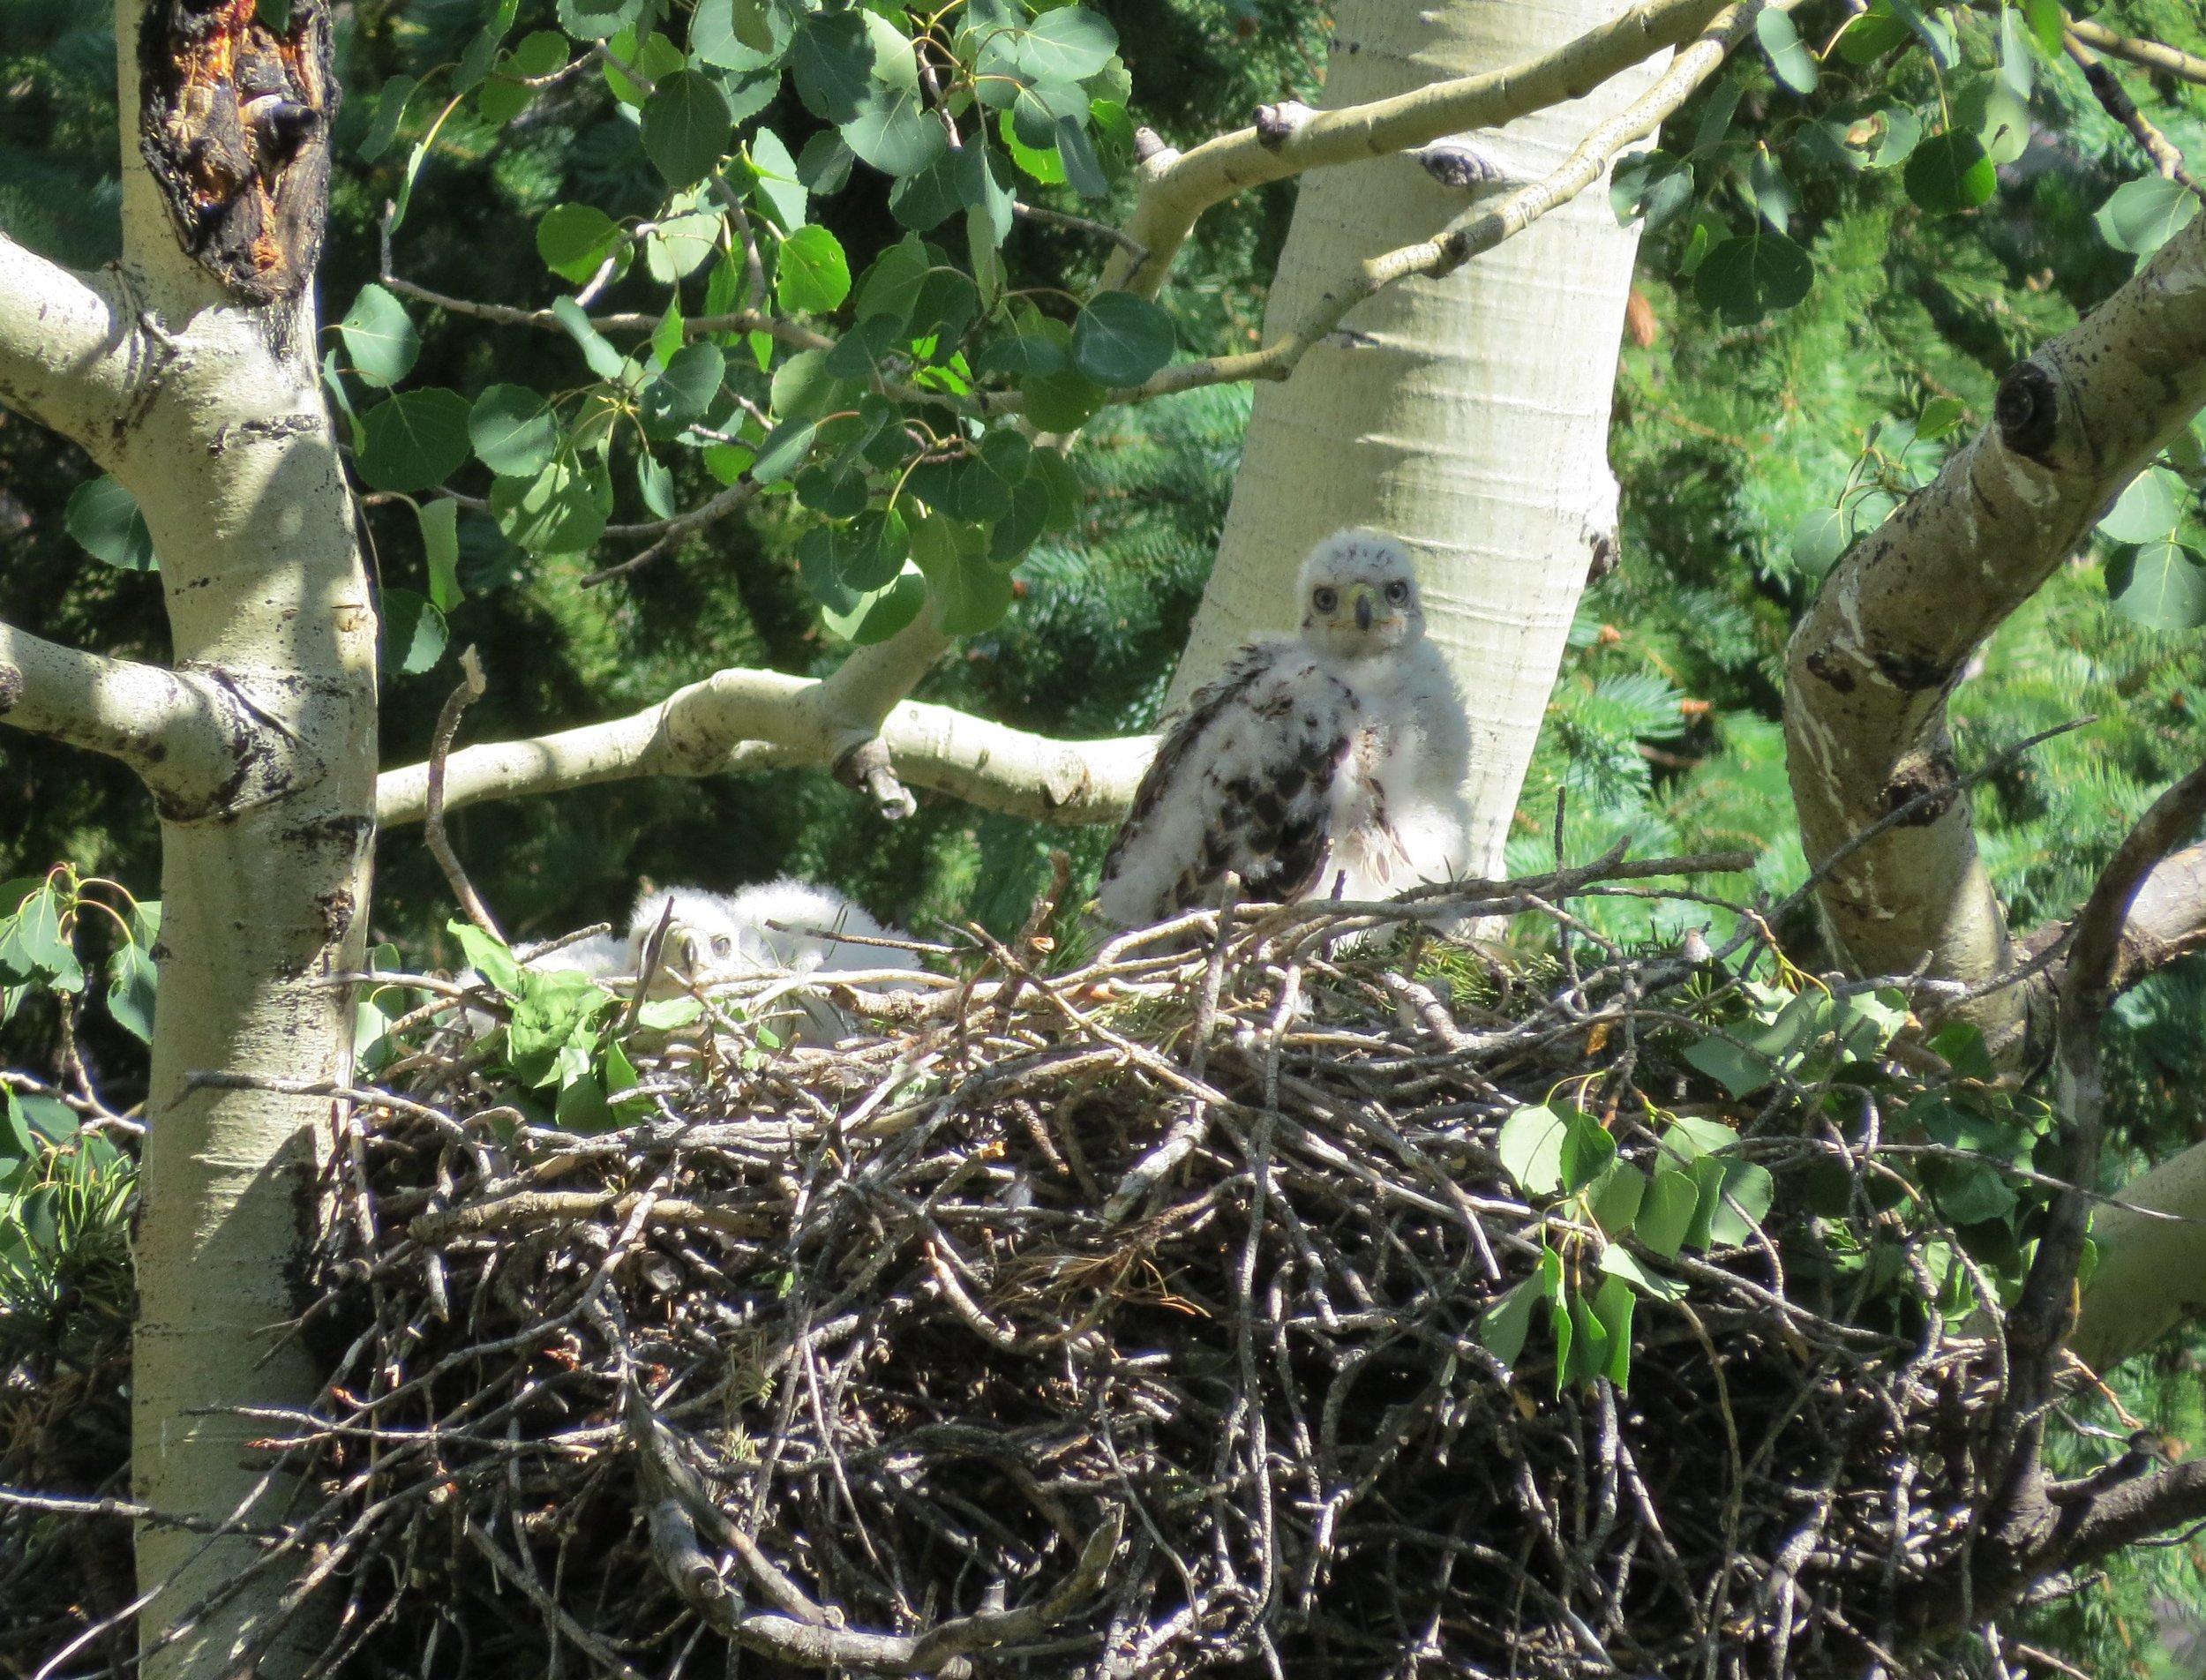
1329, 762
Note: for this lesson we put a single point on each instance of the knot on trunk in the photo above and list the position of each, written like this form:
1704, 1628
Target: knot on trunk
2027, 410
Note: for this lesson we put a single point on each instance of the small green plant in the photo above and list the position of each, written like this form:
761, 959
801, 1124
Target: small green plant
43, 915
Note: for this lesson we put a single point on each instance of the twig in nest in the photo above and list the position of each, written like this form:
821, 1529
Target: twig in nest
457, 701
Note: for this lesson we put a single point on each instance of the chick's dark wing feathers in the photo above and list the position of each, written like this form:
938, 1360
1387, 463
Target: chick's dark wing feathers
1242, 782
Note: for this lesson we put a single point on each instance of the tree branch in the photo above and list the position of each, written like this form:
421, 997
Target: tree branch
185, 735
2114, 100
1177, 188
2148, 54
2042, 1319
749, 720
68, 351
1871, 665
1470, 235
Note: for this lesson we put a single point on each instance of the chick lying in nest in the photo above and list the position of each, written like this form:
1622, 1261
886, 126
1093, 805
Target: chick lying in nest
686, 937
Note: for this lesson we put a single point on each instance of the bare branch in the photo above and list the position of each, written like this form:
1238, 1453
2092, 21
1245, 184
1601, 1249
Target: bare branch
2114, 100
1471, 235
749, 720
1871, 665
69, 355
2148, 54
468, 690
2041, 1320
1177, 188
2167, 919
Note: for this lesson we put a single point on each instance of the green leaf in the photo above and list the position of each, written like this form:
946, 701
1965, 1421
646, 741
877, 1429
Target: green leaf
514, 430
1587, 1151
984, 184
1794, 64
2142, 215
686, 126
1745, 279
874, 551
1614, 1200
1752, 1189
653, 59
1962, 1049
414, 633
1613, 1307
1066, 44
1022, 527
132, 983
877, 615
655, 485
414, 440
2149, 509
892, 286
2159, 586
1044, 166
379, 337
832, 58
1689, 1137
574, 240
1618, 1263
1037, 108
813, 274
1651, 185
744, 35
1949, 172
505, 95
1067, 497
604, 361
1896, 131
1589, 1347
1971, 1195
782, 451
1504, 1326
2047, 24
1818, 540
1024, 356
554, 513
824, 165
104, 519
16, 1142
553, 1011
681, 245
439, 522
894, 131
681, 395
1737, 1069
774, 183
970, 595
598, 20
390, 110
1120, 340
1083, 169
1939, 416
921, 200
32, 947
1531, 1149
1774, 197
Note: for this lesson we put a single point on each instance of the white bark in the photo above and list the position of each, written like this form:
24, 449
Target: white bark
260, 749
754, 720
1869, 668
1469, 414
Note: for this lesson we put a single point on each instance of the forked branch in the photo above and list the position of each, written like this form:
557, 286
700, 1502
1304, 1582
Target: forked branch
748, 720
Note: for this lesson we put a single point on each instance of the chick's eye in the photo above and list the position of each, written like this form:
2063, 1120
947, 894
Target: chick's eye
722, 946
1398, 592
1326, 600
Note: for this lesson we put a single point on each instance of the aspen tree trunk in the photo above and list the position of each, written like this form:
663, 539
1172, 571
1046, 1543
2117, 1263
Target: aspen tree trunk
1469, 414
193, 380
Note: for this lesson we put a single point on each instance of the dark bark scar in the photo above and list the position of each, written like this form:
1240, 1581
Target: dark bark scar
233, 123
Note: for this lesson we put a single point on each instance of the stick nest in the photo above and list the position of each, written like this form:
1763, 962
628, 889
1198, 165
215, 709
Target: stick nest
1131, 1320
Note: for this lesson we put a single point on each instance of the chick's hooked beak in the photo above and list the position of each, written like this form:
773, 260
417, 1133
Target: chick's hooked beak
1363, 609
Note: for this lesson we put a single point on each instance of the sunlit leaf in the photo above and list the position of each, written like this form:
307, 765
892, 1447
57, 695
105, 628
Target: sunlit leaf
415, 440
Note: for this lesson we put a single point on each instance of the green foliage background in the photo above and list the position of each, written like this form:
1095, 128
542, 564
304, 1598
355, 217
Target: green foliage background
1728, 439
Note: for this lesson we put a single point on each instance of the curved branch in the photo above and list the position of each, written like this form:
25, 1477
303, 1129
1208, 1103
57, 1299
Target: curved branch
1177, 188
183, 735
752, 720
66, 347
1870, 667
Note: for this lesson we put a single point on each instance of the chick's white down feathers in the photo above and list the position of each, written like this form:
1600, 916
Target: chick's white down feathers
1328, 764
